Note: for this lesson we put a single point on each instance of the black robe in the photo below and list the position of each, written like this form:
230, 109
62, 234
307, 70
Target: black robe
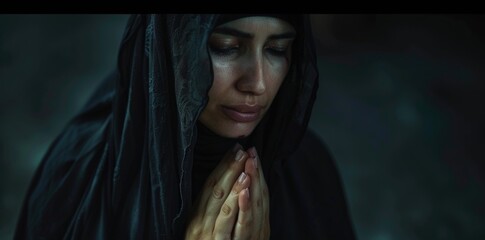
122, 168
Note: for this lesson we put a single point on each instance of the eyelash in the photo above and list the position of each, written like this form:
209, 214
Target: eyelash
224, 51
279, 52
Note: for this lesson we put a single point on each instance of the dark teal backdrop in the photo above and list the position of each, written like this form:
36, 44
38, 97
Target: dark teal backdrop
400, 105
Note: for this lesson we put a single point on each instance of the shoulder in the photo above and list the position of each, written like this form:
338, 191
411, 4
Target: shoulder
310, 176
312, 142
313, 151
312, 163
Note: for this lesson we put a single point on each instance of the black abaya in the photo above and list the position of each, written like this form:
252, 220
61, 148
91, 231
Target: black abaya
123, 167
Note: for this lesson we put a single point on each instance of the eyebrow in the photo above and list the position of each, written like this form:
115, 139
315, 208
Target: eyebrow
241, 34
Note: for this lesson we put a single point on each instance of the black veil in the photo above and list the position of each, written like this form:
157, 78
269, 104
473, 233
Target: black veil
122, 167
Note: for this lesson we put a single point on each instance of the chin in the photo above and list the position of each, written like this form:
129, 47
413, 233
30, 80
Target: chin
234, 130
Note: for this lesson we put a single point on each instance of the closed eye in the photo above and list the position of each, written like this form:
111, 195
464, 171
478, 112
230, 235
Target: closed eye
277, 51
224, 51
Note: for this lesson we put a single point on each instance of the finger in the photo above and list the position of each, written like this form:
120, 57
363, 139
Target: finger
214, 177
225, 220
253, 153
262, 213
265, 233
199, 223
255, 198
219, 192
244, 223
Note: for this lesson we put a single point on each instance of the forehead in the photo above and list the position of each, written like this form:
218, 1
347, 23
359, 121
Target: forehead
258, 24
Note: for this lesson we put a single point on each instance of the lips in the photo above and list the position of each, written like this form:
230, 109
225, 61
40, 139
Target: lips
242, 113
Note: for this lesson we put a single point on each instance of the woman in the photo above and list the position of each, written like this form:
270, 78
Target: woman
217, 99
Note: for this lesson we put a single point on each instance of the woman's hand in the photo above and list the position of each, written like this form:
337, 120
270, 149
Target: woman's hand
216, 208
234, 203
253, 217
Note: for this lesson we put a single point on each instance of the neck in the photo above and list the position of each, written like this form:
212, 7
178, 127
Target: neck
209, 144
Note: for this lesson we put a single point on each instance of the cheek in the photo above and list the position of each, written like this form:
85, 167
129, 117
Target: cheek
223, 78
277, 74
224, 71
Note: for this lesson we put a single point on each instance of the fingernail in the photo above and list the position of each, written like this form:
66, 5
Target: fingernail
236, 147
242, 177
255, 162
239, 155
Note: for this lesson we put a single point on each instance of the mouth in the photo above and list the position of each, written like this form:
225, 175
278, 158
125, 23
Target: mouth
242, 113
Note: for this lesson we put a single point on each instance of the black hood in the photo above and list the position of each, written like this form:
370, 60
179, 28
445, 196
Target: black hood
122, 167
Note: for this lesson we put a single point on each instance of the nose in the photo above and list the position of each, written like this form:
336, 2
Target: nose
252, 80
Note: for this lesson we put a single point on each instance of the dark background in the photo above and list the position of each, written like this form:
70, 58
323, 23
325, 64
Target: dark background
400, 105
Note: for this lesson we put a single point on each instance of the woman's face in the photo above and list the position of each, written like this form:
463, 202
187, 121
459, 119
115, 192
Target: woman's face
250, 58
